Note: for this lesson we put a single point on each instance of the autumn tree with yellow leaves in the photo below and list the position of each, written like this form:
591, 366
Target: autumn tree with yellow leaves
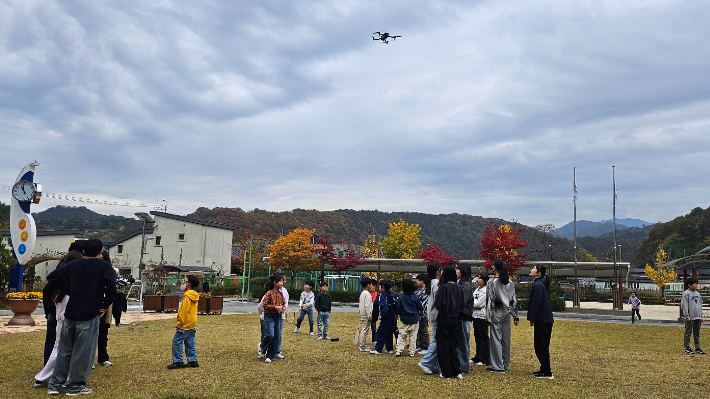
403, 241
294, 252
659, 274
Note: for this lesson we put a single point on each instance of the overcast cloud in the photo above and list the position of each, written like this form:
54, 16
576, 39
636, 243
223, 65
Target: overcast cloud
482, 107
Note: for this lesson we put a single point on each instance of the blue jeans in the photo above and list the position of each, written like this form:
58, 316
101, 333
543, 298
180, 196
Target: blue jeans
464, 345
273, 324
188, 337
75, 355
431, 359
301, 316
323, 323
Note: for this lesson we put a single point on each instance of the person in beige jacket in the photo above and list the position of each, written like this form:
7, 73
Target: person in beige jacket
365, 311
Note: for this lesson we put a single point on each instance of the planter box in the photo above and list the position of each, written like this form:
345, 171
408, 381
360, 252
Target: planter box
211, 305
161, 303
22, 310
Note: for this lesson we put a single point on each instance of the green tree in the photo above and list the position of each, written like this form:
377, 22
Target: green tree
403, 241
6, 262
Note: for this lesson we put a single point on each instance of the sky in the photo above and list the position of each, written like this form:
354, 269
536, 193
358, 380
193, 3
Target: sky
486, 108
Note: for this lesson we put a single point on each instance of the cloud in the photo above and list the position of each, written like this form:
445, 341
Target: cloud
480, 108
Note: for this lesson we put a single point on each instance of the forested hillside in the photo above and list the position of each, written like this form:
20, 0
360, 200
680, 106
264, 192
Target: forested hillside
684, 235
459, 235
92, 224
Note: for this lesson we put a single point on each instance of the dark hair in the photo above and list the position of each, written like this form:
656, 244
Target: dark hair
633, 292
323, 284
432, 269
427, 282
106, 257
690, 281
448, 274
310, 283
386, 284
465, 273
364, 282
193, 281
483, 276
70, 256
499, 266
92, 247
77, 245
543, 275
273, 279
408, 286
58, 296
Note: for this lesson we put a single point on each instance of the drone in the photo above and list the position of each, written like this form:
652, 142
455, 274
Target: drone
384, 37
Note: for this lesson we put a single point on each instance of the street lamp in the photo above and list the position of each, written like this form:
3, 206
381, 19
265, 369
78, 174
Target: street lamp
146, 218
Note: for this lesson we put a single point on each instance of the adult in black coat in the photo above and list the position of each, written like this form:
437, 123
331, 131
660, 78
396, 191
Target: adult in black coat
540, 317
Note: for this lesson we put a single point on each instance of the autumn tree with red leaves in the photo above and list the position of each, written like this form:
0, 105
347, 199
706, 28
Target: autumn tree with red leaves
325, 252
503, 242
434, 254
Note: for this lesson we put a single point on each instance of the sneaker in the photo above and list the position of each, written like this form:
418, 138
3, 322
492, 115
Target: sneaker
84, 391
425, 369
295, 330
460, 376
311, 333
411, 354
106, 363
374, 352
492, 370
422, 352
319, 337
326, 337
193, 364
398, 354
470, 361
365, 349
688, 351
480, 364
699, 352
40, 384
389, 352
259, 355
178, 365
267, 360
52, 391
547, 376
280, 356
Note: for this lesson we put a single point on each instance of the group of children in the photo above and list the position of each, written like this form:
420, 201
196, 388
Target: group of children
437, 299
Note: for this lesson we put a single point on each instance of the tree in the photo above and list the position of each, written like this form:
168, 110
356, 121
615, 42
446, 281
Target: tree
371, 248
434, 254
259, 250
403, 241
503, 242
659, 274
294, 251
325, 252
6, 263
584, 256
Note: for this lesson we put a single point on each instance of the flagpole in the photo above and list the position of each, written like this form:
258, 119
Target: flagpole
617, 300
575, 295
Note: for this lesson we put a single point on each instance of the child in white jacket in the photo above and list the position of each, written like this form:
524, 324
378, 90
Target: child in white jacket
365, 311
480, 325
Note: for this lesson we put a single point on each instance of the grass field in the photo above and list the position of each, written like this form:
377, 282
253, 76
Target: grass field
589, 360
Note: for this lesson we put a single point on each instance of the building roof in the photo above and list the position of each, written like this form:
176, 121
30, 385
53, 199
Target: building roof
148, 230
192, 220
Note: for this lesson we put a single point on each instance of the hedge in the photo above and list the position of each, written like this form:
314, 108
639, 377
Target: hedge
558, 304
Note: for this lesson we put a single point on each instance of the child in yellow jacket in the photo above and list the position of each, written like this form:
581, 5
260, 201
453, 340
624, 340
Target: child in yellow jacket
186, 326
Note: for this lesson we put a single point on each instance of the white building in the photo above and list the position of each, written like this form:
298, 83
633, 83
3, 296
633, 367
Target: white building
50, 247
177, 241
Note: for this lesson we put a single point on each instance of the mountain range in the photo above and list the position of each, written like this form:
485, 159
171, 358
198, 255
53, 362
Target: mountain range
586, 228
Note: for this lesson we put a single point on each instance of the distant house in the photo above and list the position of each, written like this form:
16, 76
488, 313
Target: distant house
175, 241
51, 245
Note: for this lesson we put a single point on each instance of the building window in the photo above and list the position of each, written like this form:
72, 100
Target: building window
157, 241
120, 249
181, 236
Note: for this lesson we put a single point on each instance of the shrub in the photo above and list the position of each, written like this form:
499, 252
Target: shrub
231, 290
558, 304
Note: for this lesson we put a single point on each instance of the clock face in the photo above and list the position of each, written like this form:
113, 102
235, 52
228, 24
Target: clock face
23, 190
